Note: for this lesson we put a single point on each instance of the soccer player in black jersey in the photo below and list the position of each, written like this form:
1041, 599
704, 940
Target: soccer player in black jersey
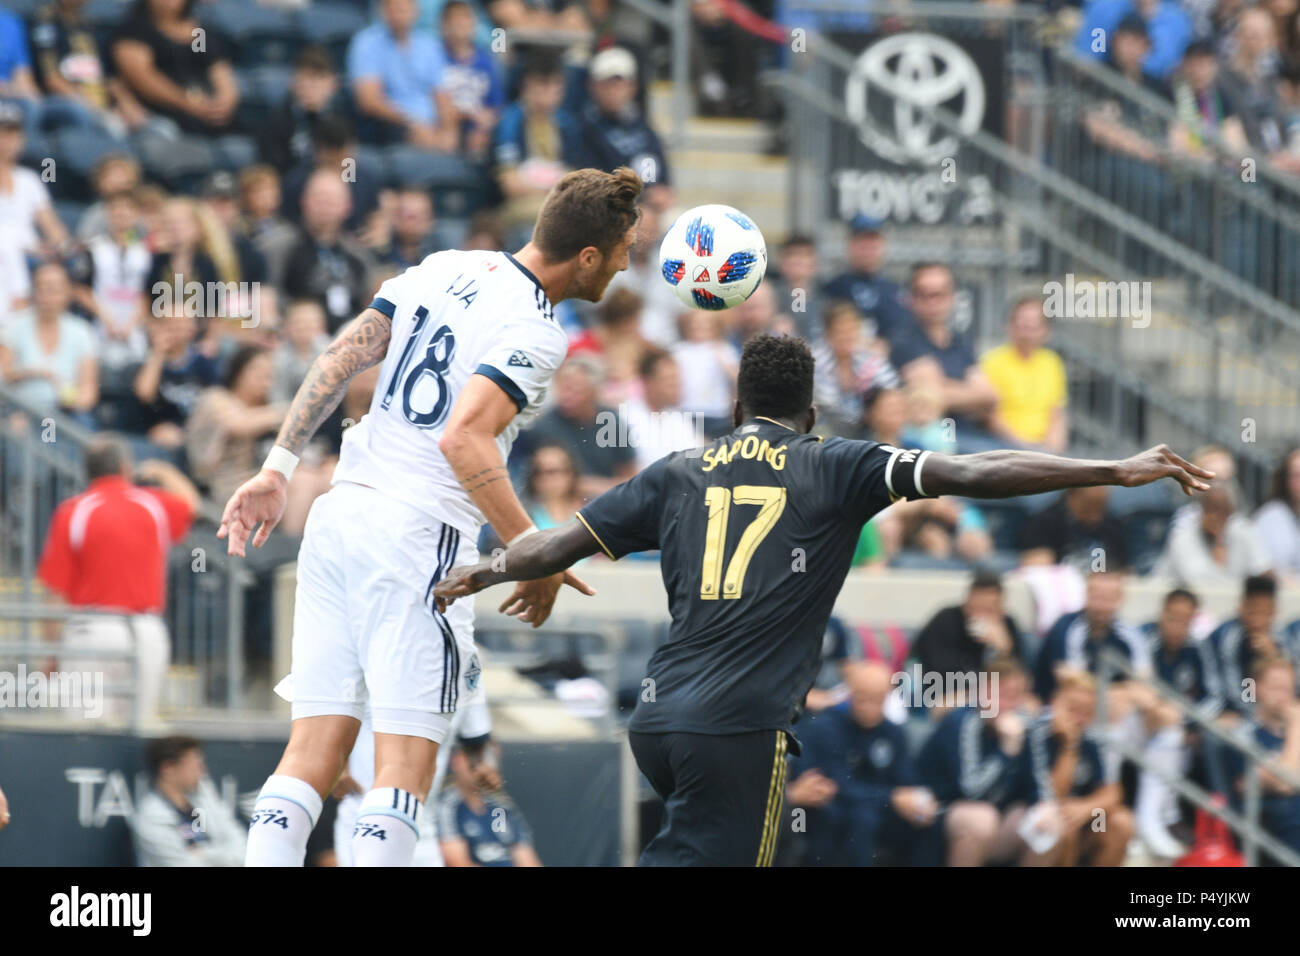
757, 531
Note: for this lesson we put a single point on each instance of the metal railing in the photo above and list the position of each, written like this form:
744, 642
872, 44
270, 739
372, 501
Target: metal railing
1211, 356
1228, 205
42, 464
1245, 825
33, 654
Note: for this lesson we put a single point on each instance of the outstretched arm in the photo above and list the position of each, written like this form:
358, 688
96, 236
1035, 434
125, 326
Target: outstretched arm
536, 556
363, 342
1006, 474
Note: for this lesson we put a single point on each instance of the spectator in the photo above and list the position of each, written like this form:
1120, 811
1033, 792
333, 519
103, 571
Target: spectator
536, 142
614, 130
236, 257
304, 338
1204, 103
1215, 543
180, 254
106, 549
1168, 25
119, 265
169, 381
270, 233
1176, 657
709, 364
795, 285
182, 820
326, 264
396, 72
1236, 647
1113, 123
1275, 728
978, 770
471, 78
411, 230
856, 779
70, 68
229, 421
335, 151
481, 827
1250, 74
551, 489
1076, 530
577, 422
28, 224
315, 91
656, 424
16, 78
1029, 379
965, 638
48, 353
847, 366
523, 15
1077, 639
876, 297
616, 340
161, 65
1070, 771
1277, 522
116, 173
934, 351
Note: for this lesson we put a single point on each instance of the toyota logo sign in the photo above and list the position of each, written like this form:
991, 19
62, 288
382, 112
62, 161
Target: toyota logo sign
905, 71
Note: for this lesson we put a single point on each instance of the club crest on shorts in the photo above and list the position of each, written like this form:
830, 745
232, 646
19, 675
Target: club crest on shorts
473, 673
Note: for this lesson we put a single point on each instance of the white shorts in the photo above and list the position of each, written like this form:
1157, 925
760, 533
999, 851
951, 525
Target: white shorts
365, 628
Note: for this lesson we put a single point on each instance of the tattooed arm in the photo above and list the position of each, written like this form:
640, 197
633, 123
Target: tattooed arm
261, 500
363, 342
469, 443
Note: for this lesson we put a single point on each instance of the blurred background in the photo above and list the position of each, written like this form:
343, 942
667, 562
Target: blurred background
1068, 227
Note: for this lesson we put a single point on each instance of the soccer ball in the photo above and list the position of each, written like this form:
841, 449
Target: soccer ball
714, 257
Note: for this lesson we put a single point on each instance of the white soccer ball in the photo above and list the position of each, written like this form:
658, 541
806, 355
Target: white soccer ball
714, 257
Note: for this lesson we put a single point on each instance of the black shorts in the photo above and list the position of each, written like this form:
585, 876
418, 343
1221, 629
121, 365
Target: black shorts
722, 796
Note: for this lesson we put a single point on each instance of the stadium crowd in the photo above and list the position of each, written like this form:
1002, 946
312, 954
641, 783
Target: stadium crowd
182, 230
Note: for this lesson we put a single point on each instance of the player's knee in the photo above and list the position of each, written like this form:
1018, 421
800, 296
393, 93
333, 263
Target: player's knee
1121, 825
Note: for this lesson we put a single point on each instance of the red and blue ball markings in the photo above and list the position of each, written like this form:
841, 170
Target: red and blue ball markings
699, 236
737, 266
705, 299
674, 270
740, 219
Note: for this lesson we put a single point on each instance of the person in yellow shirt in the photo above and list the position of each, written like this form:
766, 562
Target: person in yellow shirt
1029, 379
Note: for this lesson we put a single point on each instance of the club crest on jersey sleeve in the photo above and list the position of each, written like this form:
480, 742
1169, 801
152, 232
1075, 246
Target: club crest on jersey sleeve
519, 360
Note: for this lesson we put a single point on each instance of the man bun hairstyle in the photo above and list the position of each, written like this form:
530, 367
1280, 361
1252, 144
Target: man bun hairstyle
587, 208
776, 377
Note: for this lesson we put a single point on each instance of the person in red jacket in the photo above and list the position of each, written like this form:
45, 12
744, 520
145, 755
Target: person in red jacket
106, 550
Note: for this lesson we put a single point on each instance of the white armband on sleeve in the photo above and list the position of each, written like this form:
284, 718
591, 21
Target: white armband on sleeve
903, 474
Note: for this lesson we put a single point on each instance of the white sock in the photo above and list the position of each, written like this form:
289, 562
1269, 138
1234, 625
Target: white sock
387, 828
1156, 801
286, 810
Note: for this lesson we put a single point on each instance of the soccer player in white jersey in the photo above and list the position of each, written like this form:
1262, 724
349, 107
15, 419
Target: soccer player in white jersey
468, 342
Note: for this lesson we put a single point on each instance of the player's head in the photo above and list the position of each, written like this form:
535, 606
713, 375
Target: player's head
176, 762
587, 226
1074, 703
1103, 595
107, 456
776, 381
984, 599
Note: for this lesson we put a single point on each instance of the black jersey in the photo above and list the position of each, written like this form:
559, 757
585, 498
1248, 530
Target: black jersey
757, 532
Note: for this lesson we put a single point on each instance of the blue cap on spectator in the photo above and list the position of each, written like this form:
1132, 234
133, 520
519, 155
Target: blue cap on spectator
11, 114
863, 223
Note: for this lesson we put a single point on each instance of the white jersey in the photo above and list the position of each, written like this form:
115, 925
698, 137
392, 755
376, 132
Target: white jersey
454, 315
